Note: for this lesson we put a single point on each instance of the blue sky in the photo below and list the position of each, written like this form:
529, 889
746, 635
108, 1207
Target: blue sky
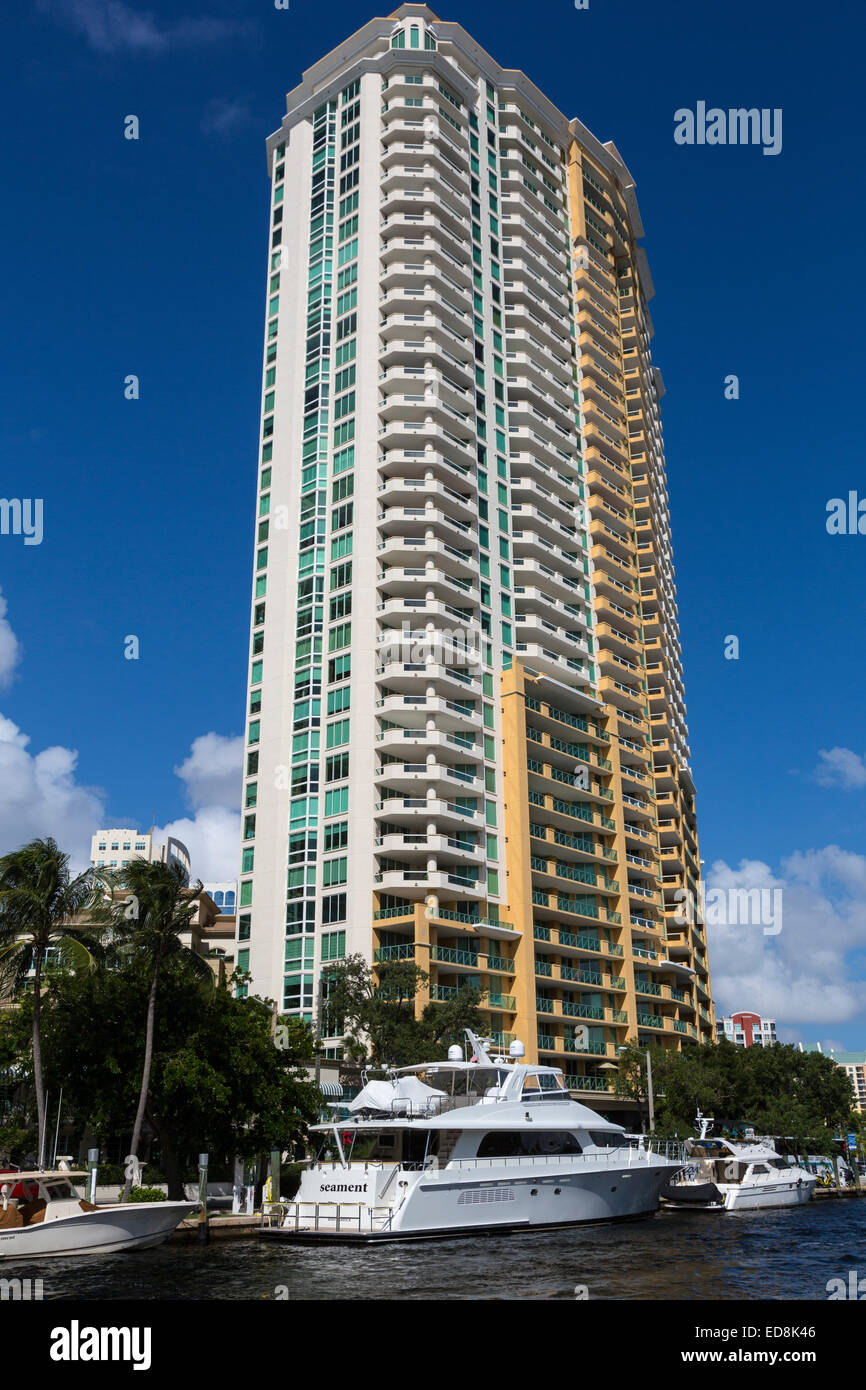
148, 257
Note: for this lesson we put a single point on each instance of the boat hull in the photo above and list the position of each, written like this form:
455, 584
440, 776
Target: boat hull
735, 1198
449, 1203
787, 1196
329, 1236
105, 1231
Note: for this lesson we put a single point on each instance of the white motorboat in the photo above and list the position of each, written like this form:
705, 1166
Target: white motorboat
723, 1175
48, 1217
461, 1147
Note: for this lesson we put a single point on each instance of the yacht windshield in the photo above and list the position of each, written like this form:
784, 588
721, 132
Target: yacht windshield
470, 1082
410, 1147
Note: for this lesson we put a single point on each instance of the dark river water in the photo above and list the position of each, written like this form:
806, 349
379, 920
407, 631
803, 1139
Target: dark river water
682, 1255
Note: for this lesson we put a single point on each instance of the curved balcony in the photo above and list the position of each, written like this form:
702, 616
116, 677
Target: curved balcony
427, 520
523, 318
562, 482
523, 413
558, 533
417, 883
541, 601
526, 264
550, 308
415, 351
412, 220
398, 247
551, 378
417, 847
415, 330
533, 387
411, 299
402, 492
414, 711
424, 191
614, 639
427, 376
452, 440
544, 661
422, 131
565, 587
533, 628
460, 562
417, 811
418, 743
395, 612
523, 441
446, 682
526, 206
532, 544
412, 582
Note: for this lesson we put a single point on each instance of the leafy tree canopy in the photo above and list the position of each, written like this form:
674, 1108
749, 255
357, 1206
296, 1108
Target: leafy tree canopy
379, 1020
777, 1090
218, 1081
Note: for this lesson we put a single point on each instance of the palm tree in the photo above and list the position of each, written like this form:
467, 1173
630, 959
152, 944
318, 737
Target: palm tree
146, 924
40, 907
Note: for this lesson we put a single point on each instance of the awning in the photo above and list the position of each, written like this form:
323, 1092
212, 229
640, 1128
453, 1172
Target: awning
332, 1089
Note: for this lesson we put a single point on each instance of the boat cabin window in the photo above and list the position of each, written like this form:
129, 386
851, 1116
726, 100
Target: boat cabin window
537, 1087
760, 1168
506, 1143
390, 1146
549, 1081
606, 1139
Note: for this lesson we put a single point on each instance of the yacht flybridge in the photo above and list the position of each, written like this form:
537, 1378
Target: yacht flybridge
457, 1147
726, 1176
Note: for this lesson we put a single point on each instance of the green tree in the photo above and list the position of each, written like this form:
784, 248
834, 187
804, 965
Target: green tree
777, 1090
41, 906
17, 1133
147, 924
218, 1080
378, 1021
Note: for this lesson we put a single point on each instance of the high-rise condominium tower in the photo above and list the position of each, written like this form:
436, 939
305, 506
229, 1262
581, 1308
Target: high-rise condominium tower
466, 738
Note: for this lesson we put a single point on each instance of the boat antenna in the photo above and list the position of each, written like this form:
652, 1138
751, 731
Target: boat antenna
704, 1123
479, 1046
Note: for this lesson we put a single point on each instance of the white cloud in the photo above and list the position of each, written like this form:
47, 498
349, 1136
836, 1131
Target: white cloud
806, 974
212, 773
110, 26
10, 647
840, 767
212, 776
212, 837
39, 796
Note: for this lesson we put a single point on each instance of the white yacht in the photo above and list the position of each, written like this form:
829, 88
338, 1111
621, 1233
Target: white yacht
460, 1147
42, 1214
726, 1176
